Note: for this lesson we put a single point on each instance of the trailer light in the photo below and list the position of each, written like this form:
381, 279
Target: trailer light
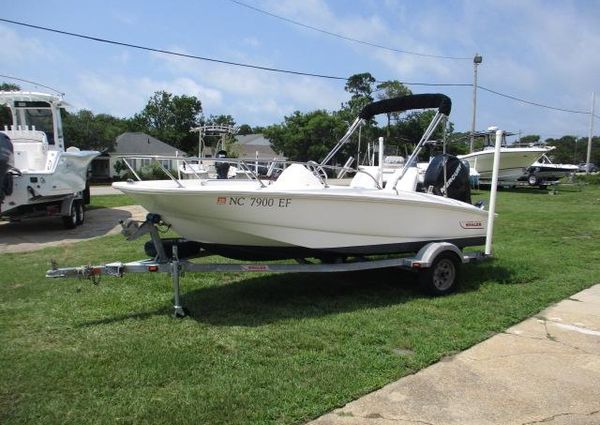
152, 268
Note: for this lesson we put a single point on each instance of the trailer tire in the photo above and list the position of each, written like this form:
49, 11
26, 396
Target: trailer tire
80, 212
86, 193
532, 180
70, 221
442, 277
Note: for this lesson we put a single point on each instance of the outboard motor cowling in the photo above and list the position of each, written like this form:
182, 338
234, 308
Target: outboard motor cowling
222, 167
6, 163
456, 183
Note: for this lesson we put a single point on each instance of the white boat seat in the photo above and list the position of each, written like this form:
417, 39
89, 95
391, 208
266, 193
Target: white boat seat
30, 147
408, 182
366, 178
30, 155
296, 176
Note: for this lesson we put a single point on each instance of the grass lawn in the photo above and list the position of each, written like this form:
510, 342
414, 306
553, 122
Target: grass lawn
256, 348
109, 201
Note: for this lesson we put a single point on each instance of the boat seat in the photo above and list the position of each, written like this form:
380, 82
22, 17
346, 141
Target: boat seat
30, 155
366, 178
408, 182
296, 176
30, 147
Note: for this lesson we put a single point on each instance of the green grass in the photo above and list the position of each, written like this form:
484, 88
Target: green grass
110, 201
273, 349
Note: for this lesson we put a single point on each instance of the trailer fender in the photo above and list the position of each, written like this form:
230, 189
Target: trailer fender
65, 206
427, 255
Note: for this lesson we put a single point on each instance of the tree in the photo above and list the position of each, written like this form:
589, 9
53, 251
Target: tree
361, 88
220, 120
306, 136
169, 118
389, 90
530, 139
414, 125
573, 150
9, 87
245, 129
88, 131
5, 117
228, 139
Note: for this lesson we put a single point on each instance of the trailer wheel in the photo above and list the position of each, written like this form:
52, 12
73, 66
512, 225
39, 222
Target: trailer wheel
70, 221
80, 212
532, 180
442, 277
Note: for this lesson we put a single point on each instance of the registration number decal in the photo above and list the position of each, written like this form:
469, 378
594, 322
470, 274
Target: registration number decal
254, 201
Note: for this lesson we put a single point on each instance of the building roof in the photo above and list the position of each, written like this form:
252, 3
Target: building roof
250, 144
143, 144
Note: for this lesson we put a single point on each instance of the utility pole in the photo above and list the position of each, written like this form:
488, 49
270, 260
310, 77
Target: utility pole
476, 61
589, 147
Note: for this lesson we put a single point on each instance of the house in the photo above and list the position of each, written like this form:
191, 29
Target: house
103, 167
251, 146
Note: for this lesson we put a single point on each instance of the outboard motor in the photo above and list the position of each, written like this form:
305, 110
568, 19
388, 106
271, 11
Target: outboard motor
455, 185
6, 163
222, 167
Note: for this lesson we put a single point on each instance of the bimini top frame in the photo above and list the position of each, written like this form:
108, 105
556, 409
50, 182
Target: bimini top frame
399, 104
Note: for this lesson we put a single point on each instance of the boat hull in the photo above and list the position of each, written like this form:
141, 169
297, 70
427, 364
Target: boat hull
513, 162
550, 172
67, 176
239, 217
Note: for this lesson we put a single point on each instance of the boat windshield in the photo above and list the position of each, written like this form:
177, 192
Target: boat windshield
36, 114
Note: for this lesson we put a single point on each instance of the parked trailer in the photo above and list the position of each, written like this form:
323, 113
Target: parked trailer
71, 208
437, 264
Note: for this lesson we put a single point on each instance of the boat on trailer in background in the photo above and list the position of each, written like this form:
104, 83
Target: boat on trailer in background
544, 172
514, 160
38, 176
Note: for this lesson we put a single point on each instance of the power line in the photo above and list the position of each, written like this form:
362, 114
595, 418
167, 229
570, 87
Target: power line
32, 82
190, 56
169, 52
343, 37
572, 111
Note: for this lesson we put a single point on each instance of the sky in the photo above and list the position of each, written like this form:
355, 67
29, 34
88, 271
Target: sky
547, 52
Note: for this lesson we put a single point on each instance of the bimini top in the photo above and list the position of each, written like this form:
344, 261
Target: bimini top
407, 103
10, 97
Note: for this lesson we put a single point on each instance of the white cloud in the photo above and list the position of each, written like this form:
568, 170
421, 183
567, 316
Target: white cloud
122, 96
20, 50
251, 41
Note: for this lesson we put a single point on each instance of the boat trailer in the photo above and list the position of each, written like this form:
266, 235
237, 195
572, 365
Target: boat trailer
437, 263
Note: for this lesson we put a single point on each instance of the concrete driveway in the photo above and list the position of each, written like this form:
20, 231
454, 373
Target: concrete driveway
543, 370
40, 233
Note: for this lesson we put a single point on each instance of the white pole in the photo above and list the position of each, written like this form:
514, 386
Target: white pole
589, 146
476, 61
381, 162
494, 189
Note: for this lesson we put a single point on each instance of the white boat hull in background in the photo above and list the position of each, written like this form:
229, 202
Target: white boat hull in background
67, 176
513, 162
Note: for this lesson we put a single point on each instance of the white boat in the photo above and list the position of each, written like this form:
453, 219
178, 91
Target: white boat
37, 174
544, 171
300, 215
514, 161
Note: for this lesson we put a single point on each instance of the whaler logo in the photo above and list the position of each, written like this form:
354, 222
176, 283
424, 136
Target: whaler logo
221, 200
471, 224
